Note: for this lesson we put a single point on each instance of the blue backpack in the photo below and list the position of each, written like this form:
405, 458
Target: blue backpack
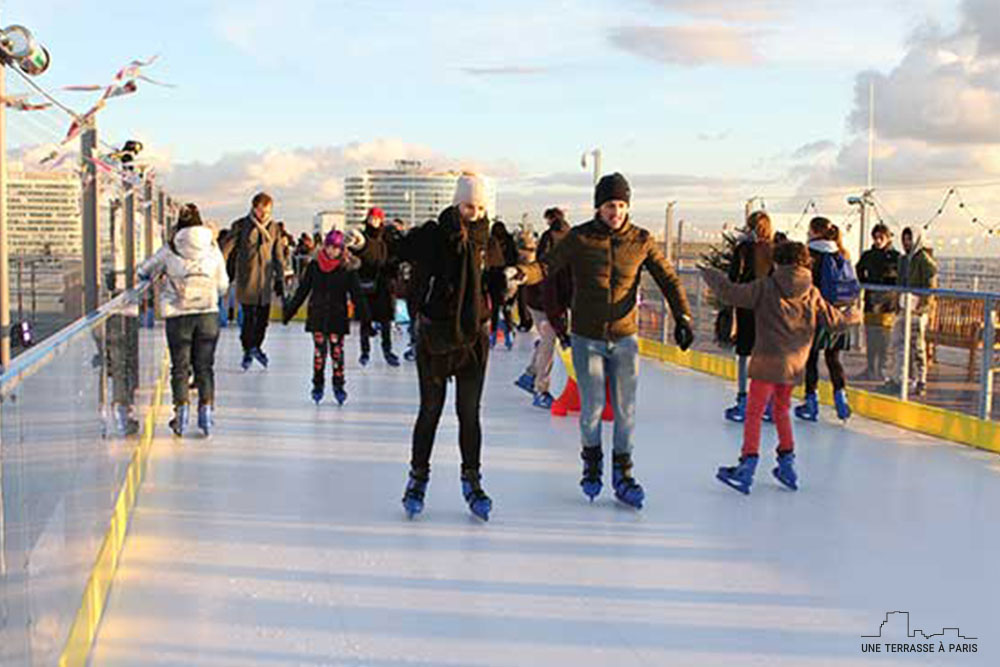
837, 281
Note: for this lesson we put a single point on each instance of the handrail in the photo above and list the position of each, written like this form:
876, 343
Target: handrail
30, 361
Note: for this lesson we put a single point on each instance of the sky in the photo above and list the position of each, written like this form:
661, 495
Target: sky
705, 102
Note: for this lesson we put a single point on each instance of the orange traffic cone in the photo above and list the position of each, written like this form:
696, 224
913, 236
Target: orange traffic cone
569, 401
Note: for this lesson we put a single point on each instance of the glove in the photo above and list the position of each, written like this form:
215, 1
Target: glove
565, 341
683, 334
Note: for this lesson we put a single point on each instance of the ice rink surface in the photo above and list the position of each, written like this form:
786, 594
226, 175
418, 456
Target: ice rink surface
282, 541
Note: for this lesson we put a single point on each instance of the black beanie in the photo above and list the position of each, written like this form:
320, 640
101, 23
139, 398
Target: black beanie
611, 187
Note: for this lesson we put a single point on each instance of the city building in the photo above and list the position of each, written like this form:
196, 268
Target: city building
410, 192
324, 221
43, 214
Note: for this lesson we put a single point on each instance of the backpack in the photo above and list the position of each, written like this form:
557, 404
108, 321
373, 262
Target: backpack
196, 291
837, 281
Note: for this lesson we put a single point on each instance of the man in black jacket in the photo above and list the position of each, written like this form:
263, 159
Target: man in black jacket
879, 265
376, 273
452, 340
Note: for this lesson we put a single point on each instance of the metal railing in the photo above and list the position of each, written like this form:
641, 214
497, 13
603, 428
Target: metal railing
71, 412
952, 384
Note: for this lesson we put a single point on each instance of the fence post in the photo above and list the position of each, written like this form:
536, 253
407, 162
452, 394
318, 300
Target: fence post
904, 374
986, 378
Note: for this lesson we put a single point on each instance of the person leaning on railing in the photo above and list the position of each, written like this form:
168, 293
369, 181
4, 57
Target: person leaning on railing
916, 269
879, 265
194, 277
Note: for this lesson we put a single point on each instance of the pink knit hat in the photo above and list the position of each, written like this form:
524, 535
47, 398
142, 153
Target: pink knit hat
334, 237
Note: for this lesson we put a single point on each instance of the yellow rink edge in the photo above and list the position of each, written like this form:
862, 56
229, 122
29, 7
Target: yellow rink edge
88, 617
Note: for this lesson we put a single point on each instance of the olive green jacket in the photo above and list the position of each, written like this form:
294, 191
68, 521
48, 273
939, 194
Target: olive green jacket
606, 267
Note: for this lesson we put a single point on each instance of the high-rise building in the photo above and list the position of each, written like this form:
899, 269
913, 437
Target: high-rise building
43, 214
409, 192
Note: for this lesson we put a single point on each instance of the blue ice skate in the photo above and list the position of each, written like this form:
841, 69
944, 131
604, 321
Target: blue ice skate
739, 477
479, 503
627, 490
526, 382
785, 471
843, 407
413, 496
808, 411
593, 469
738, 412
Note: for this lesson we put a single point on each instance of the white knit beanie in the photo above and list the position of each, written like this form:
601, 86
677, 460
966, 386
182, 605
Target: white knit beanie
470, 189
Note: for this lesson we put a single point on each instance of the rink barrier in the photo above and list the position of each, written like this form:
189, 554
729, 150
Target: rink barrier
569, 400
926, 419
95, 596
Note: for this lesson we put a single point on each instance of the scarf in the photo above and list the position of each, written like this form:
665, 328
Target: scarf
327, 263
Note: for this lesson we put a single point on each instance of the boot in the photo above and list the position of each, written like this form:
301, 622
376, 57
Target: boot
593, 469
526, 382
205, 420
739, 477
808, 411
738, 412
413, 496
785, 472
843, 407
472, 489
627, 489
180, 421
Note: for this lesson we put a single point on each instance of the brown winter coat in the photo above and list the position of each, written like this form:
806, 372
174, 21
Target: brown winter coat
258, 261
788, 308
606, 267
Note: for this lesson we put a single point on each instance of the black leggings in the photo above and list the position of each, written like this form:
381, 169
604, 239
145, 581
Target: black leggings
469, 379
496, 284
833, 365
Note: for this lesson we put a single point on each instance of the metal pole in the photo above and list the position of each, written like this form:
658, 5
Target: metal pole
161, 214
4, 268
904, 372
863, 229
986, 378
91, 226
680, 242
147, 212
128, 230
597, 165
668, 231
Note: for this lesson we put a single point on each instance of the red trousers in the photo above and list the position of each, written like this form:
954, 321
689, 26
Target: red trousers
760, 394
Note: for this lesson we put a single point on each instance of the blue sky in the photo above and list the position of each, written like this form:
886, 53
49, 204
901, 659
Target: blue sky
709, 89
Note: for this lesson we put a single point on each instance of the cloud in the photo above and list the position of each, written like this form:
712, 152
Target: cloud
753, 11
714, 136
302, 180
511, 70
689, 46
813, 149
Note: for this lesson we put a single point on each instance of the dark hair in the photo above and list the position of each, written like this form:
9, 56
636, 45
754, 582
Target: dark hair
792, 253
779, 237
820, 226
261, 199
881, 228
554, 213
833, 234
909, 231
189, 216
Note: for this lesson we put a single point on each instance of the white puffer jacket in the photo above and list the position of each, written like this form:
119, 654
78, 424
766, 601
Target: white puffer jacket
194, 276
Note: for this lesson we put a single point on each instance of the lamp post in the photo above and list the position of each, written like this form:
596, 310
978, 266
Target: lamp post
596, 154
19, 48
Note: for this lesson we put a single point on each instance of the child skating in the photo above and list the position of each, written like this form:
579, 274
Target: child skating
328, 281
788, 309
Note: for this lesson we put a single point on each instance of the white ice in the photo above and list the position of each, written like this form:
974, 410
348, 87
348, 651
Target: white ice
282, 541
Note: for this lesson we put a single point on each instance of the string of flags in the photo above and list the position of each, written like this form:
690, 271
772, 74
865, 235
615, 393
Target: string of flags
21, 103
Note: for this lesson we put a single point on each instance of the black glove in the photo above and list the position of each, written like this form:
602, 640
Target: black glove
565, 341
683, 334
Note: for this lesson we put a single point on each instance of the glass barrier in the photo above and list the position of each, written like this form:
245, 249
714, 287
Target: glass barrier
71, 414
958, 351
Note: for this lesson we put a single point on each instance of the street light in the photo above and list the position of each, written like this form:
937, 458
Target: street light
17, 46
596, 153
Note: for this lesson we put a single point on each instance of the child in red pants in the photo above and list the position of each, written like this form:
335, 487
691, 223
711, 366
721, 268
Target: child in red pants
787, 307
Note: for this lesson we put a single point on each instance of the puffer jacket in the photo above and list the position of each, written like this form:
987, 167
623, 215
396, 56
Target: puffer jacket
193, 273
788, 309
606, 266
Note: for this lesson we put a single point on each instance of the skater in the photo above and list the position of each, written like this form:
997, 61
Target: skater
917, 268
378, 267
606, 256
255, 250
328, 281
194, 278
751, 260
452, 337
501, 252
879, 265
789, 309
542, 301
833, 275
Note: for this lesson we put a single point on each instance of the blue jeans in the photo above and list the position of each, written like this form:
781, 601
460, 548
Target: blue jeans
618, 361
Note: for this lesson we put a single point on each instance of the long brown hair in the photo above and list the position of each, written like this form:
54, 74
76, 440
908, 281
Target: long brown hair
833, 234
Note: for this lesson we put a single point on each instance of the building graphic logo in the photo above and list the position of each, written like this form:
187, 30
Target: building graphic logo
896, 636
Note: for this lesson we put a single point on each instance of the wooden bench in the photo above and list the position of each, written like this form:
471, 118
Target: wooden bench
959, 323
